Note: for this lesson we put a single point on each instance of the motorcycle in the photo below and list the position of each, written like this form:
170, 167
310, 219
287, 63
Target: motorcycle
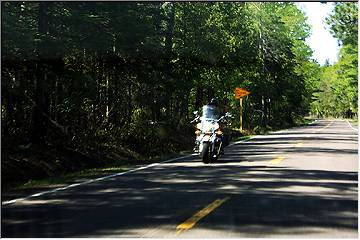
209, 137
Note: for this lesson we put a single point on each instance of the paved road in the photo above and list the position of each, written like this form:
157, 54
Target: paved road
296, 183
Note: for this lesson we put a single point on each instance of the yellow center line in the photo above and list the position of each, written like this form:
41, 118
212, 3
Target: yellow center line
318, 130
199, 215
277, 160
298, 144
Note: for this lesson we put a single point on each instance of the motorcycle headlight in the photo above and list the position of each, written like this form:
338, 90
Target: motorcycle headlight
208, 126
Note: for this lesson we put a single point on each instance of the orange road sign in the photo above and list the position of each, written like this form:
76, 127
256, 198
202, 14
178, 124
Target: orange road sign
240, 92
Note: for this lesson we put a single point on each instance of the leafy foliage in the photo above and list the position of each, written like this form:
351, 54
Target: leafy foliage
337, 93
344, 22
99, 75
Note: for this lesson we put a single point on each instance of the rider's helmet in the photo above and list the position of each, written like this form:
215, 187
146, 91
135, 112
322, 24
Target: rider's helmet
213, 101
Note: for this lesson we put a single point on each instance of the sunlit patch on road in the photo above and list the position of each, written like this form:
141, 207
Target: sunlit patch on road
312, 194
321, 129
298, 144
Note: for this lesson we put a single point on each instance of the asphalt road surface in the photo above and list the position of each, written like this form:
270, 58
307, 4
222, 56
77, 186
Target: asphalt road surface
297, 183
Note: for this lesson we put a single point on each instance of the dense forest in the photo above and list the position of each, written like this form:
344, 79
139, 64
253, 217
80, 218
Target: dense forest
125, 77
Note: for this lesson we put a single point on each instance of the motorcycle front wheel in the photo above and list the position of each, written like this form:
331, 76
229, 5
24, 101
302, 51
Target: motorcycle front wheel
205, 155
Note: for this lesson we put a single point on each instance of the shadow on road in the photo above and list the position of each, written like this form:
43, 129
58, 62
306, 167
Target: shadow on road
263, 199
269, 197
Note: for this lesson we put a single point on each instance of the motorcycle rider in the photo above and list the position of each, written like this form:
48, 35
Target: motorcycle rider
213, 102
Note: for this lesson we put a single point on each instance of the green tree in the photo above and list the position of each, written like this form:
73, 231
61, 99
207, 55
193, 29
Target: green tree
98, 75
337, 95
344, 22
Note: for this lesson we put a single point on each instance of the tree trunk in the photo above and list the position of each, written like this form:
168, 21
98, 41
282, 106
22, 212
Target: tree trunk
38, 129
170, 31
199, 97
129, 98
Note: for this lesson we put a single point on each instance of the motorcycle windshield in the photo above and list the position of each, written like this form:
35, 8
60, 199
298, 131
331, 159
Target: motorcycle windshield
210, 112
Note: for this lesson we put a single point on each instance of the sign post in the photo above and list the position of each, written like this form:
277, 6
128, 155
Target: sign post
239, 94
241, 110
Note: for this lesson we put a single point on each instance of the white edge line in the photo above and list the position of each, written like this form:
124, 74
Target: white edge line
280, 131
113, 175
351, 126
313, 122
92, 180
237, 142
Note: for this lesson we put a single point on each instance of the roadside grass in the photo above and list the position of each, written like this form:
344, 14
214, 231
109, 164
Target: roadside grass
243, 138
355, 122
121, 166
306, 121
71, 177
92, 173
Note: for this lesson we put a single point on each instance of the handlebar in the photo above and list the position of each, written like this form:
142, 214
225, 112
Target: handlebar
216, 120
197, 118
